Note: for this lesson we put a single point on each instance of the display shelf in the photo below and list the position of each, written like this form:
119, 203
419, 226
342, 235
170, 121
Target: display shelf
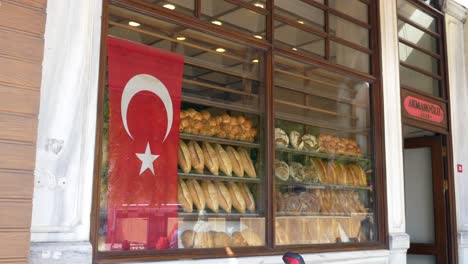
218, 177
310, 185
222, 141
322, 155
211, 103
204, 215
320, 215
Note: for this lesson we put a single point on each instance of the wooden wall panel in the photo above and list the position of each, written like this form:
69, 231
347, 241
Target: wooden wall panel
22, 24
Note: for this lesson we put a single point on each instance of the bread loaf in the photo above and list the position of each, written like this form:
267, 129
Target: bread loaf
221, 239
224, 161
188, 238
296, 140
184, 157
238, 201
310, 142
281, 170
238, 240
184, 197
211, 195
253, 240
197, 195
237, 166
211, 159
281, 138
196, 156
248, 197
296, 171
203, 240
224, 197
247, 163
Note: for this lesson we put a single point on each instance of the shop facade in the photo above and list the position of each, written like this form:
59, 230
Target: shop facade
330, 128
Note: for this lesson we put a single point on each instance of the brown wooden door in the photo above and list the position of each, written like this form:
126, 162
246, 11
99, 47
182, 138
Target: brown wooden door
426, 212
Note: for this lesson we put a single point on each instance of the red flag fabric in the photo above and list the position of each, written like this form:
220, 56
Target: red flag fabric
144, 105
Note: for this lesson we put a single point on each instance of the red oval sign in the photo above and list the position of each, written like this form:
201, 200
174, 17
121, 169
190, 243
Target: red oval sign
423, 109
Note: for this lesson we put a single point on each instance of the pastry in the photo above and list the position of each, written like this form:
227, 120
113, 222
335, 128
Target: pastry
281, 138
188, 238
236, 162
248, 197
221, 239
196, 156
310, 142
296, 140
238, 201
184, 197
211, 195
224, 161
211, 159
281, 170
253, 240
184, 157
224, 197
196, 193
296, 171
247, 163
238, 240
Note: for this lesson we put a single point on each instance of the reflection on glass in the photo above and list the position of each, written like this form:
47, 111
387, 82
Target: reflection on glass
421, 259
181, 6
296, 39
349, 31
323, 156
349, 57
419, 81
220, 169
418, 59
354, 8
416, 15
300, 13
417, 37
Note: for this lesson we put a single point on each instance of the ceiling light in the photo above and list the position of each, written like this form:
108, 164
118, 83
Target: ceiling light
295, 49
181, 38
259, 5
220, 50
300, 22
133, 24
258, 36
169, 6
255, 60
216, 22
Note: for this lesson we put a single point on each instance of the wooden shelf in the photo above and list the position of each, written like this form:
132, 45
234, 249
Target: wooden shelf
205, 215
322, 155
228, 106
319, 215
313, 185
222, 141
218, 177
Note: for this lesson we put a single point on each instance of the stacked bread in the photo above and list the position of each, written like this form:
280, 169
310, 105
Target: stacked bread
338, 145
213, 239
215, 195
320, 201
321, 171
215, 158
222, 126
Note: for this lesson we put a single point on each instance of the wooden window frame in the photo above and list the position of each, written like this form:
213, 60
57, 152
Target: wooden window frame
376, 99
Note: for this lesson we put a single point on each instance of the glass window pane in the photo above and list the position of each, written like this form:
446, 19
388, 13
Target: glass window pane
421, 259
220, 173
419, 81
296, 39
349, 31
349, 57
418, 59
234, 17
323, 166
416, 15
183, 6
300, 12
417, 37
353, 8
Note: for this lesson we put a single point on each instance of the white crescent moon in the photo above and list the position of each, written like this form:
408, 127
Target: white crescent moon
145, 82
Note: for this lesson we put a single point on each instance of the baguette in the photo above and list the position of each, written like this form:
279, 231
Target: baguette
211, 195
247, 162
238, 201
224, 197
248, 197
184, 197
184, 157
196, 156
211, 159
197, 195
225, 164
237, 166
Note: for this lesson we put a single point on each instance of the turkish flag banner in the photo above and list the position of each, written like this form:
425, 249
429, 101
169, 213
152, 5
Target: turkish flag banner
144, 107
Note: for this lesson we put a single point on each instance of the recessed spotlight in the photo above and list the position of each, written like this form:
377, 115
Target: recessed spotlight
259, 5
181, 38
216, 22
133, 24
258, 36
255, 60
169, 6
295, 49
300, 22
220, 50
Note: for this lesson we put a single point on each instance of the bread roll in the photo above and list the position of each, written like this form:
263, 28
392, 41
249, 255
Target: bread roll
184, 157
224, 197
225, 164
221, 239
211, 195
238, 201
237, 166
184, 197
196, 156
197, 195
188, 238
211, 159
281, 170
238, 240
247, 163
248, 197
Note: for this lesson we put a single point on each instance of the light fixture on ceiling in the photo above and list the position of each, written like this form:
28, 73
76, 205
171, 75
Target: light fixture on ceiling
220, 50
300, 22
255, 60
169, 6
258, 36
181, 38
295, 49
259, 5
133, 24
216, 22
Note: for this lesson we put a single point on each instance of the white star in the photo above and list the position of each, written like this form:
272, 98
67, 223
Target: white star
147, 159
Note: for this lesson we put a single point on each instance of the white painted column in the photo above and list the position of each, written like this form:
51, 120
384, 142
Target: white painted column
399, 240
457, 34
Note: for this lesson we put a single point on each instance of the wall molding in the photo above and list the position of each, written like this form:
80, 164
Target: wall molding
455, 10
